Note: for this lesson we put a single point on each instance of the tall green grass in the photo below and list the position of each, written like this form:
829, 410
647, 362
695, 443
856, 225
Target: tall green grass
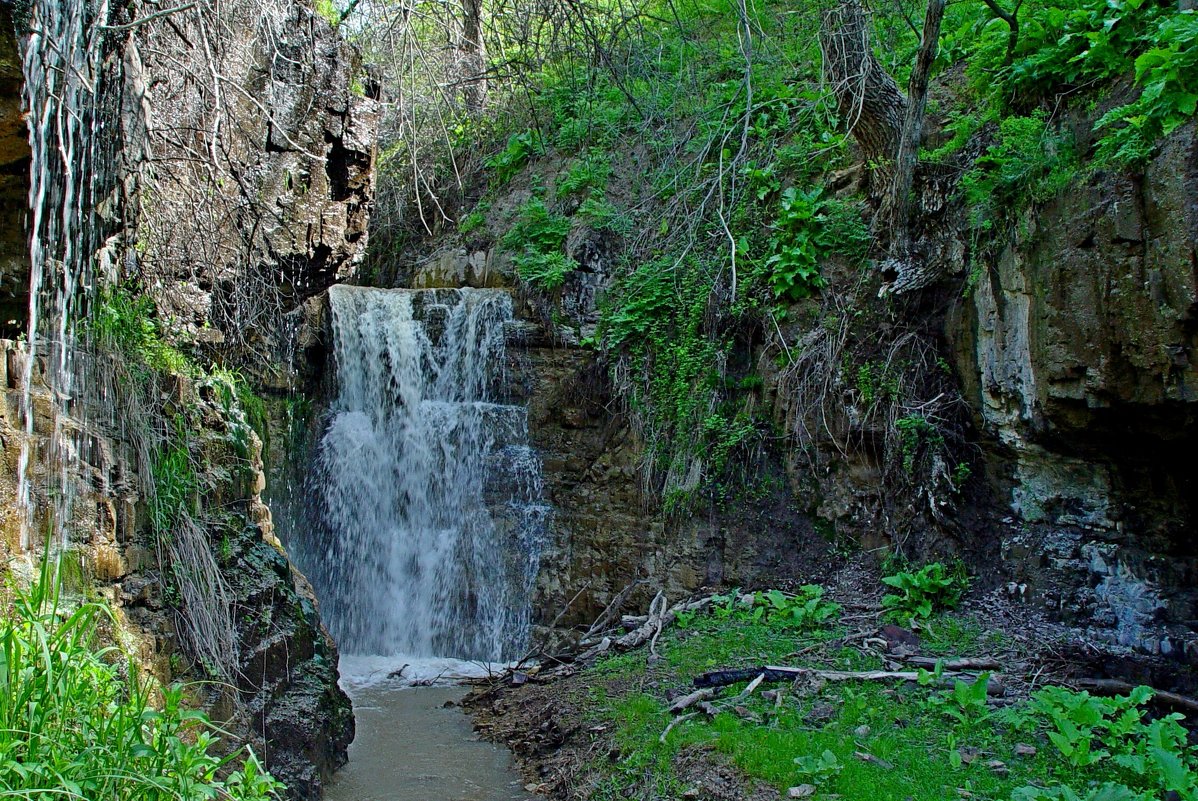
77, 721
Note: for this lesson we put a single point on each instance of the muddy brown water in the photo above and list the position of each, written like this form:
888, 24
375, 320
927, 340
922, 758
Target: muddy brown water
416, 744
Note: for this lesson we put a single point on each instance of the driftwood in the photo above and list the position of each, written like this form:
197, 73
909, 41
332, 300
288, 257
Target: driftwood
721, 678
690, 699
1116, 687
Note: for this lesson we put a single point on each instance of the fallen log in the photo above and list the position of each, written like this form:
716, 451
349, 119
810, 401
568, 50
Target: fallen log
1117, 687
963, 663
722, 678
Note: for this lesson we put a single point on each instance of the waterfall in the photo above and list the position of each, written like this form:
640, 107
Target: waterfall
72, 144
431, 517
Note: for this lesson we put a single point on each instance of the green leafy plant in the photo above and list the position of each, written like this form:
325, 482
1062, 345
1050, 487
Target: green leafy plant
471, 222
1167, 74
819, 768
537, 227
808, 228
75, 725
1089, 732
545, 271
590, 171
175, 485
1028, 162
922, 592
915, 430
602, 215
538, 235
519, 149
805, 608
126, 322
966, 701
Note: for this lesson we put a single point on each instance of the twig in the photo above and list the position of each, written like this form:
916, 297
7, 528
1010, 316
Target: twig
684, 702
675, 722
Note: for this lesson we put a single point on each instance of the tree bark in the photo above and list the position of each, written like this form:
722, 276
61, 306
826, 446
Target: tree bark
1012, 20
869, 102
474, 59
899, 201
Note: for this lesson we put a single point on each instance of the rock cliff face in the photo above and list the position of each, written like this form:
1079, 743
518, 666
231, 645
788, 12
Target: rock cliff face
250, 148
1077, 351
14, 184
1074, 353
246, 175
285, 700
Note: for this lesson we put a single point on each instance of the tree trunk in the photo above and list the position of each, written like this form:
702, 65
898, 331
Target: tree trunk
474, 59
868, 100
899, 202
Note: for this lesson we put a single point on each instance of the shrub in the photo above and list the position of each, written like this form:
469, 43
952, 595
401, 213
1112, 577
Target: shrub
1168, 75
808, 228
539, 234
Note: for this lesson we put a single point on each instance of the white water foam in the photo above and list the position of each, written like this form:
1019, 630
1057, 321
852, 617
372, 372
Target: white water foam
431, 520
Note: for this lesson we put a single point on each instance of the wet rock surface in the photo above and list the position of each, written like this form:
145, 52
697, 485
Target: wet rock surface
283, 696
14, 184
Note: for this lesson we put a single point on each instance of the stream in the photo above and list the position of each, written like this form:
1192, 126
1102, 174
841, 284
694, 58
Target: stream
416, 744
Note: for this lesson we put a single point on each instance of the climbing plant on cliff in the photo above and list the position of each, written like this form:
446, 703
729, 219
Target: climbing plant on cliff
778, 166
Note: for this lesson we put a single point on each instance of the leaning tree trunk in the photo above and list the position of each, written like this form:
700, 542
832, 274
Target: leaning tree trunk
868, 99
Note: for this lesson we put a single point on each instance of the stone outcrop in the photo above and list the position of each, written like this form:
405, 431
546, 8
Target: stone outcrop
250, 146
246, 160
1078, 352
282, 696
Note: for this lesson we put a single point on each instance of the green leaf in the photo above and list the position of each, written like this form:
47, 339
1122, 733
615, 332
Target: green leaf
1172, 770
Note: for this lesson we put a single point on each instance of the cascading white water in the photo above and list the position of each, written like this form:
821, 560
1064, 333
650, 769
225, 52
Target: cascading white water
69, 176
431, 517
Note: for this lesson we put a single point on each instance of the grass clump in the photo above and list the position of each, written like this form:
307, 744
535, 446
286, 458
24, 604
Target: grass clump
76, 723
125, 322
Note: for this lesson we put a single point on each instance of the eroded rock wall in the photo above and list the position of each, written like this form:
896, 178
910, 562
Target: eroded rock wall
14, 184
281, 695
1078, 353
250, 147
246, 175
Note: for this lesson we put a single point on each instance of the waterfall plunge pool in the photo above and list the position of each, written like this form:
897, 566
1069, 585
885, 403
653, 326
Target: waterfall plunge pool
416, 744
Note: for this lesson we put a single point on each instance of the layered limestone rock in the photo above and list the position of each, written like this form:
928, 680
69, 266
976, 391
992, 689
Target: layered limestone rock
1078, 353
282, 695
246, 172
14, 184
